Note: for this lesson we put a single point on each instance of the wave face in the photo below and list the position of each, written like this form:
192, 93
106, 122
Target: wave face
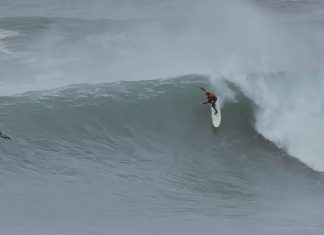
144, 149
147, 117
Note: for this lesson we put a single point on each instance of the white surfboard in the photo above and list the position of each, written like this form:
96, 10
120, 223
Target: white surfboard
216, 118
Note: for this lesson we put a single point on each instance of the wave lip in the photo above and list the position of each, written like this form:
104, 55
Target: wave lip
288, 111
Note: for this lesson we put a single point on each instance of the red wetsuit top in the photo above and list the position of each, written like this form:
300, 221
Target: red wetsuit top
212, 98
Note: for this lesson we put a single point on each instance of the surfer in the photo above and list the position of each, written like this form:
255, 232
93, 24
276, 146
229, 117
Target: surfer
211, 98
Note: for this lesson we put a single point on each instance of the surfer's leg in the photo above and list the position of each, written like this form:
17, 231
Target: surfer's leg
214, 106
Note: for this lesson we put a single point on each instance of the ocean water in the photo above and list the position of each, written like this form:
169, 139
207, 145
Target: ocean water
109, 136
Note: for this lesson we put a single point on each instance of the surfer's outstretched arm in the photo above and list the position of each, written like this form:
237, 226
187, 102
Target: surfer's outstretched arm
203, 89
205, 102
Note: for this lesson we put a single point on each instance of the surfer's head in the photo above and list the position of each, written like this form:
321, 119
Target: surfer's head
207, 93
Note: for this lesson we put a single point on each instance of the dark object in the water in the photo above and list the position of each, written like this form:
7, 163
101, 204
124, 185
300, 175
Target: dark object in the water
3, 135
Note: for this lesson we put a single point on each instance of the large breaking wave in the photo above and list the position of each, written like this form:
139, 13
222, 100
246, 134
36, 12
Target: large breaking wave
275, 63
119, 121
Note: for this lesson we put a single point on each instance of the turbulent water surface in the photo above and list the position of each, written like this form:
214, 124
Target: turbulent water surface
109, 136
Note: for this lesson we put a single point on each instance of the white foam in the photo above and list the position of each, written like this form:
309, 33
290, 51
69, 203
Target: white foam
289, 112
3, 35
